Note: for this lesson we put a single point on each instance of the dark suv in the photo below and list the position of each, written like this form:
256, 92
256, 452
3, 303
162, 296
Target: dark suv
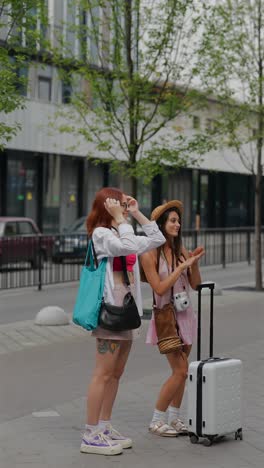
21, 241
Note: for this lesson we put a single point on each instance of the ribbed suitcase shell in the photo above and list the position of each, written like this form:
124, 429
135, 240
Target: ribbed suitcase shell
214, 397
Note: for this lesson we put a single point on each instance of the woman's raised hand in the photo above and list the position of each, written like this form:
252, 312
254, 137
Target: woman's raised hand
197, 253
194, 257
132, 205
114, 209
133, 209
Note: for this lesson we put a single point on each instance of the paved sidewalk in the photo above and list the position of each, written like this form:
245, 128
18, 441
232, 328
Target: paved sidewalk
17, 335
20, 335
49, 436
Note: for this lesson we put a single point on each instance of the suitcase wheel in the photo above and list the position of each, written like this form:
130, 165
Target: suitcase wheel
194, 438
208, 442
239, 434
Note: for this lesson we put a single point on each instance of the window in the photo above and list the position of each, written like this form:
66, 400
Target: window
71, 11
51, 193
10, 229
95, 34
20, 76
44, 88
21, 185
196, 122
29, 32
83, 33
43, 22
66, 92
25, 227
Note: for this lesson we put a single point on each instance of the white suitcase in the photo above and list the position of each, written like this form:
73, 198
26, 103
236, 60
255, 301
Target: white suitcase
214, 390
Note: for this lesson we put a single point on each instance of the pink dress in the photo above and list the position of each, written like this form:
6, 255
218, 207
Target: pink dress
186, 320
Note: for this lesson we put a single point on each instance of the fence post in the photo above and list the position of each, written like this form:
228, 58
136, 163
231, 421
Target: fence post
194, 242
39, 264
248, 248
223, 250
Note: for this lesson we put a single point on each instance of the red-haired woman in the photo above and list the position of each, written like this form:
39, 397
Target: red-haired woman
113, 237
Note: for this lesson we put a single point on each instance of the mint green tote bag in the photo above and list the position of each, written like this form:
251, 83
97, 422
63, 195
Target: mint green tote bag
90, 292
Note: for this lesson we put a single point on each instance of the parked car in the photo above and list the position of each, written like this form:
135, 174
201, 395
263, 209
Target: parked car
79, 223
72, 244
21, 241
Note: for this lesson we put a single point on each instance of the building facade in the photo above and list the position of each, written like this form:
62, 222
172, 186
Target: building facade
45, 176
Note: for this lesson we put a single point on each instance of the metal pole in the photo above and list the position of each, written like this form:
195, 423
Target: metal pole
39, 265
211, 322
199, 324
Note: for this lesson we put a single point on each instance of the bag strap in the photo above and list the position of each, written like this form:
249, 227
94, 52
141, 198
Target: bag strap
159, 252
124, 268
91, 255
88, 253
158, 264
94, 254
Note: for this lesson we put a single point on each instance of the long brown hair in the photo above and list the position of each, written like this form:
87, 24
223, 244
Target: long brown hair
99, 216
176, 243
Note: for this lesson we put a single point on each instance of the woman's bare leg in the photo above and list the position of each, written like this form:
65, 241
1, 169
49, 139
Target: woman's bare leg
177, 399
179, 365
107, 353
112, 386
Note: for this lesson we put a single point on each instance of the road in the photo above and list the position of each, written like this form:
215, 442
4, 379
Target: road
23, 304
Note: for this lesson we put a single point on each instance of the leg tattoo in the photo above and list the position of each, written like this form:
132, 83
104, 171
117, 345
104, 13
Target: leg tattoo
107, 345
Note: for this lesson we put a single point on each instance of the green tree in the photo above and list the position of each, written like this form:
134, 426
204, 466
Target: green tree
20, 39
136, 58
231, 62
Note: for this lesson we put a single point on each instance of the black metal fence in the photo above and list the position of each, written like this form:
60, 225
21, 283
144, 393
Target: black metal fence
222, 246
42, 260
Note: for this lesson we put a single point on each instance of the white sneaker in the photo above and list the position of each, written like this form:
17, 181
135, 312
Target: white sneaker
115, 436
99, 443
180, 427
162, 429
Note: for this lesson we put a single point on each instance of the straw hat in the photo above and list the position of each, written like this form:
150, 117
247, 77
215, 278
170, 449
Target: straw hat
159, 210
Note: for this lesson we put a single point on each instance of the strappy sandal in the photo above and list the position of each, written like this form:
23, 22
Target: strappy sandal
162, 429
179, 427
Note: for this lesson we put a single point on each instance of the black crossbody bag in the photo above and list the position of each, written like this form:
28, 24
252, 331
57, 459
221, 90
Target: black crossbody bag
120, 318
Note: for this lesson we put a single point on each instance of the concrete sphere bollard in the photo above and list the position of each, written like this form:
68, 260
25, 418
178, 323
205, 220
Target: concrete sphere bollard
52, 315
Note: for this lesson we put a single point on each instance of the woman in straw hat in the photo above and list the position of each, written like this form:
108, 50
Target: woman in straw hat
178, 269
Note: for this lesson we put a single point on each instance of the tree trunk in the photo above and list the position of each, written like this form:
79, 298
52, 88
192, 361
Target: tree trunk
258, 187
131, 98
258, 249
134, 187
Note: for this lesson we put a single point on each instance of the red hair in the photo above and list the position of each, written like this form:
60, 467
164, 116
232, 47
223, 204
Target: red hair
99, 216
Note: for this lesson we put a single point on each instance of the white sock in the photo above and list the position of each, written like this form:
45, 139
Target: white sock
89, 428
174, 413
103, 423
159, 416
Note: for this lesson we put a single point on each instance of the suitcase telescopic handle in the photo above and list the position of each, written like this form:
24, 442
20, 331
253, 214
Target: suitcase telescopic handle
199, 288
